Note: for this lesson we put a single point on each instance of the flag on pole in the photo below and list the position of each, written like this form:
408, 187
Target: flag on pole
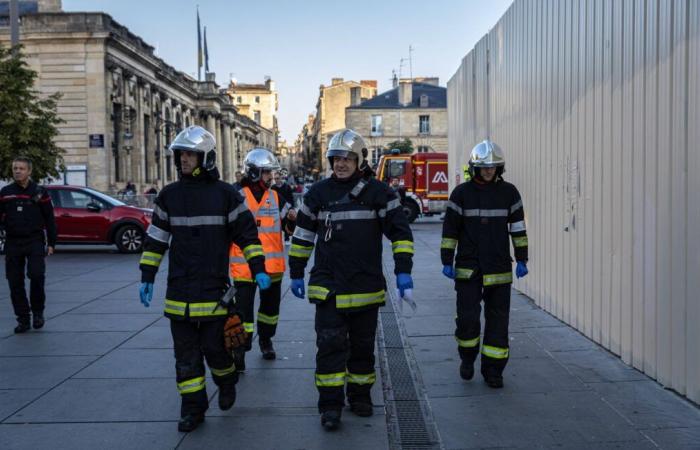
199, 48
206, 52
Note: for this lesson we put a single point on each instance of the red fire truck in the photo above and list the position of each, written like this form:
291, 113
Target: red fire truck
423, 176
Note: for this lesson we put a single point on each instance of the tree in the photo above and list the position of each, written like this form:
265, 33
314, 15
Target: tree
405, 146
27, 120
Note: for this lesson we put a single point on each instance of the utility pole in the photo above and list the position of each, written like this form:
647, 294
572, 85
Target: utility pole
14, 26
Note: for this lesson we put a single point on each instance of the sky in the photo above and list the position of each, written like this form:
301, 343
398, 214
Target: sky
304, 43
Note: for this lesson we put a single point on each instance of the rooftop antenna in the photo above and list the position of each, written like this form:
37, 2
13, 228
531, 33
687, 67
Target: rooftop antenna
410, 60
401, 64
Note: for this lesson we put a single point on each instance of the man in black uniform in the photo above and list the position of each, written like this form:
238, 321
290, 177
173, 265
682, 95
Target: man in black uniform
199, 217
481, 213
25, 212
346, 215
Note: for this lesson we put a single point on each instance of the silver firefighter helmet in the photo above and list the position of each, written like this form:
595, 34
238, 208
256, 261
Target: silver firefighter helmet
487, 154
195, 139
258, 160
345, 143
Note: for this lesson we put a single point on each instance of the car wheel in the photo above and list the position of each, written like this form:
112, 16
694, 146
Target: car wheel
411, 210
2, 241
129, 239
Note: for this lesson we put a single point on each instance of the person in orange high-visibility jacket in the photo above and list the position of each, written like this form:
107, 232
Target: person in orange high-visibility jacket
270, 210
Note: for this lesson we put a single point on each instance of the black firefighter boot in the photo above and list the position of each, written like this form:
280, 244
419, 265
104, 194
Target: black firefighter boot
38, 320
268, 352
466, 370
330, 420
190, 422
22, 325
227, 396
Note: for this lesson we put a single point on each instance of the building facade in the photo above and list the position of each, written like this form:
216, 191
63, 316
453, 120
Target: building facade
258, 102
414, 109
122, 105
330, 113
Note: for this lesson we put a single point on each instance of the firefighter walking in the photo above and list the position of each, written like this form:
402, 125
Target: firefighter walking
198, 217
26, 213
481, 214
345, 217
270, 210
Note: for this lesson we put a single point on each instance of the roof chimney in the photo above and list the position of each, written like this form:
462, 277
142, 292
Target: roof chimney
335, 81
405, 93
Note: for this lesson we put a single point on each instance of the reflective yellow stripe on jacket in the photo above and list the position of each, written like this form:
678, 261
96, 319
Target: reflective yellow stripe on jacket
200, 309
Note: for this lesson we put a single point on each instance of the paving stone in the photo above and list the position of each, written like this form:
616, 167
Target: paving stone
560, 339
132, 363
648, 405
444, 348
106, 436
288, 432
152, 337
100, 322
536, 374
39, 372
127, 306
675, 438
574, 419
61, 344
114, 400
440, 325
597, 366
11, 400
290, 355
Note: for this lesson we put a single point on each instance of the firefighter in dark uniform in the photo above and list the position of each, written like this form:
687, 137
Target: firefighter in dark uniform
481, 214
198, 217
26, 213
270, 211
345, 216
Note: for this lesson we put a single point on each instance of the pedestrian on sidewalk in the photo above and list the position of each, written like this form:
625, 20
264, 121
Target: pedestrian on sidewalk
198, 217
26, 213
345, 216
481, 213
271, 213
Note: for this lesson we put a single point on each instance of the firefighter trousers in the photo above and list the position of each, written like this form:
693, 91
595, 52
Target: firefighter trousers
345, 354
494, 349
29, 254
268, 311
194, 341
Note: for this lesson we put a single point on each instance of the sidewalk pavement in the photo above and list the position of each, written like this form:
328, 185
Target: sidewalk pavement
561, 389
101, 374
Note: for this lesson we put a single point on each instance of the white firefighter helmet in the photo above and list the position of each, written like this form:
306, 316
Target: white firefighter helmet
487, 154
257, 160
345, 143
195, 139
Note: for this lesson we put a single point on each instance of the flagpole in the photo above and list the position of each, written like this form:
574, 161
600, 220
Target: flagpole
199, 48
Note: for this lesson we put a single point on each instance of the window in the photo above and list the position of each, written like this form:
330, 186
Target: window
423, 101
355, 98
256, 117
77, 199
239, 99
424, 124
257, 99
376, 129
397, 168
422, 149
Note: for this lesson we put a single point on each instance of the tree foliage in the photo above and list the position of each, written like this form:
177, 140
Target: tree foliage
28, 120
404, 145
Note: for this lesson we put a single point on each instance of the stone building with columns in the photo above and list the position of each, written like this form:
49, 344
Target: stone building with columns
121, 104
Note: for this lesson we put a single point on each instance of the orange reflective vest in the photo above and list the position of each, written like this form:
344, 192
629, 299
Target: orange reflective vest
267, 216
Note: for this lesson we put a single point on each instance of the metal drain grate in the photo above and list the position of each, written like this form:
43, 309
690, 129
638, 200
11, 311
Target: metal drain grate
409, 420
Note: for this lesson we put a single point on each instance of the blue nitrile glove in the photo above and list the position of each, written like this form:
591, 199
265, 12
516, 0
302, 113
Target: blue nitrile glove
146, 294
263, 280
521, 269
298, 287
403, 282
449, 272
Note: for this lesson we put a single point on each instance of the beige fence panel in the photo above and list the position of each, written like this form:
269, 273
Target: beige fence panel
596, 104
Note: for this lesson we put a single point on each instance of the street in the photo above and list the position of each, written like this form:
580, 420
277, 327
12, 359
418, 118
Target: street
101, 375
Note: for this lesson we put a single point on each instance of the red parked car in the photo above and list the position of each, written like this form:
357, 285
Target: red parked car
87, 216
